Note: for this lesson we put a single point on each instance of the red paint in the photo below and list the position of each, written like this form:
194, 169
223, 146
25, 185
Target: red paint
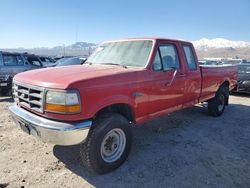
103, 85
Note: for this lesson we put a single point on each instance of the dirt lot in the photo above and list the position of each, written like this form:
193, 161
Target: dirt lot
186, 149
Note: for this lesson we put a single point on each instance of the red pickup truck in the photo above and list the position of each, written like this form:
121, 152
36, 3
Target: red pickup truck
122, 84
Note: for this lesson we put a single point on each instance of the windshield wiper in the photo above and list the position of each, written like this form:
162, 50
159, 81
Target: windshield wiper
124, 66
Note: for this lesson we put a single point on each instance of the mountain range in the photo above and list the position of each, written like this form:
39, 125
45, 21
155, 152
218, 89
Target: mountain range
218, 47
222, 48
205, 44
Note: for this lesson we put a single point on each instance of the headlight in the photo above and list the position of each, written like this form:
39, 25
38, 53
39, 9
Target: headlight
67, 102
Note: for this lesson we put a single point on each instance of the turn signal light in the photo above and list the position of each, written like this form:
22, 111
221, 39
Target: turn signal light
62, 108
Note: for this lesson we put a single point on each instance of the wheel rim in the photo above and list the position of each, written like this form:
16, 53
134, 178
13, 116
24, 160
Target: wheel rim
221, 103
113, 145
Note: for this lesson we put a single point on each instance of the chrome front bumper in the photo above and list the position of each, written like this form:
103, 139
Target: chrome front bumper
56, 132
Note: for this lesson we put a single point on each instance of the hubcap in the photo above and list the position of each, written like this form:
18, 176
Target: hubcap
113, 145
221, 103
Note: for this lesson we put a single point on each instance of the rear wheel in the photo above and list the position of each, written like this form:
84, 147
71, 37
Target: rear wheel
216, 106
108, 143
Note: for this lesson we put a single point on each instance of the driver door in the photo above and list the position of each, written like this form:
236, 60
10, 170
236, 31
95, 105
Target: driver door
167, 89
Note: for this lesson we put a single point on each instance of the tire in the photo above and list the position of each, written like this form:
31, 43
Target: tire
216, 105
108, 143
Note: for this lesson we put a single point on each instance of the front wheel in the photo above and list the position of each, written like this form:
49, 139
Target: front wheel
216, 106
108, 143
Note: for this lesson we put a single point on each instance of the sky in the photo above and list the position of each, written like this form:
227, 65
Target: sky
49, 23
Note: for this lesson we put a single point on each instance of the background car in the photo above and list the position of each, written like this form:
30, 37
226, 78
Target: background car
210, 62
13, 63
33, 59
68, 61
243, 83
46, 60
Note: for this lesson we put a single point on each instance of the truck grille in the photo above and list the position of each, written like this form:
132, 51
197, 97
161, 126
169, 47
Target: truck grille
29, 96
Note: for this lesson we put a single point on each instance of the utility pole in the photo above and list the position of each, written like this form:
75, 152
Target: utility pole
63, 50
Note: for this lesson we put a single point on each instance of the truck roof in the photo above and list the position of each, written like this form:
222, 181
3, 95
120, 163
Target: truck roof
159, 38
150, 38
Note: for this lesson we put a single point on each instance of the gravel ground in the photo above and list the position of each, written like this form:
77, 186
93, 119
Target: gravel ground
185, 149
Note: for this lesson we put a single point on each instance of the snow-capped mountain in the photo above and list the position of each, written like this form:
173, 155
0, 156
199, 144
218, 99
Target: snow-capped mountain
81, 45
205, 44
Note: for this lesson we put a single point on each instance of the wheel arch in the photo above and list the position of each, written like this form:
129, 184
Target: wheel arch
226, 85
121, 108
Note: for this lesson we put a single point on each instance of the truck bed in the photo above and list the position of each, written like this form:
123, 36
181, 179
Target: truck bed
213, 76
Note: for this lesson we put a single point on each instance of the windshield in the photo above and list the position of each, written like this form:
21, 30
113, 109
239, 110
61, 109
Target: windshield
126, 53
244, 69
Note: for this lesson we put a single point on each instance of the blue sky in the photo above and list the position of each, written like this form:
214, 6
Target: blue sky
37, 23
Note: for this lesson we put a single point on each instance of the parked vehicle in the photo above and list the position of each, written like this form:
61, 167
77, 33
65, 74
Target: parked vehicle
11, 64
46, 60
57, 58
33, 59
202, 62
68, 61
123, 83
210, 62
61, 57
243, 84
232, 61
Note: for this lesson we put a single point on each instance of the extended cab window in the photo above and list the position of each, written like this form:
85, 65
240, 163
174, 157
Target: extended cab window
166, 58
12, 60
190, 57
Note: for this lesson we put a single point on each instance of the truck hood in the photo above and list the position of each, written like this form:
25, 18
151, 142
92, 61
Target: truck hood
64, 77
